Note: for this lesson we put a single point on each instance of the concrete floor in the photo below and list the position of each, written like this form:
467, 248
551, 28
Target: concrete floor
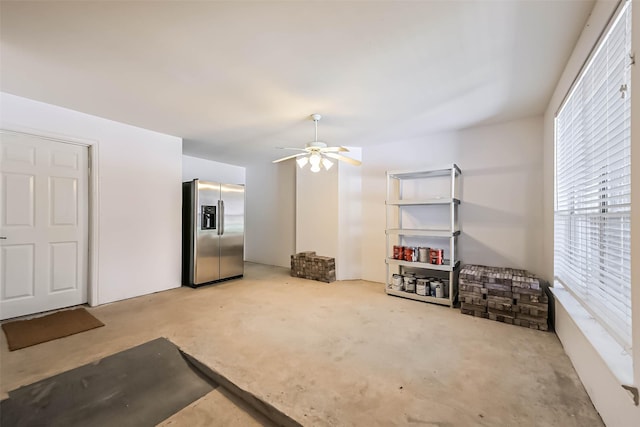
343, 353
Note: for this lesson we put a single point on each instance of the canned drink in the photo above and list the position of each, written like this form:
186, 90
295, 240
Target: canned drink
436, 256
398, 252
423, 255
409, 253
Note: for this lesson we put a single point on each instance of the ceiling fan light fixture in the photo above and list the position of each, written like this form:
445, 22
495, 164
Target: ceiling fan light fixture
327, 163
317, 153
314, 159
302, 161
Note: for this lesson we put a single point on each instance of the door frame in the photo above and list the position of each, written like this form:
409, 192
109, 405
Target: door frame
93, 199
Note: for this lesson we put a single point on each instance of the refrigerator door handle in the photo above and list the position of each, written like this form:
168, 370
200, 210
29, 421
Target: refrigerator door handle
219, 225
221, 217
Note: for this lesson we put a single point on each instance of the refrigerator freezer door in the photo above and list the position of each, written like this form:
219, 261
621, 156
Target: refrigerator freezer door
207, 242
232, 231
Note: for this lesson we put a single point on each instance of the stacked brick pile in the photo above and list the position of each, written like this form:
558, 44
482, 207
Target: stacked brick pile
507, 295
308, 265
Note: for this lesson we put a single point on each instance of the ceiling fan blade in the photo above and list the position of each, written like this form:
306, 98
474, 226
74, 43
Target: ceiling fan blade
343, 158
291, 148
335, 150
289, 157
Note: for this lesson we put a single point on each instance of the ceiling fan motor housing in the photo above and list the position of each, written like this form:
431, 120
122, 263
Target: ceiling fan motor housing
316, 144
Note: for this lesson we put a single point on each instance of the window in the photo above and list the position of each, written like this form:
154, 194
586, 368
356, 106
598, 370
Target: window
592, 219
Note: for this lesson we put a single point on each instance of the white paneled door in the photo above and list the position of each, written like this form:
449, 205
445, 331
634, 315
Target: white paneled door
44, 224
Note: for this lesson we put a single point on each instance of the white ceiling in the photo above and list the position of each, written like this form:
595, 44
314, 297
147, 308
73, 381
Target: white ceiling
236, 79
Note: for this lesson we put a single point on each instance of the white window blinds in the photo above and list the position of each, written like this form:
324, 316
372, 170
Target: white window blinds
592, 229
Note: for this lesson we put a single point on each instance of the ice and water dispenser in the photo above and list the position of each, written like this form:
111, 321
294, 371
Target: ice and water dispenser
208, 221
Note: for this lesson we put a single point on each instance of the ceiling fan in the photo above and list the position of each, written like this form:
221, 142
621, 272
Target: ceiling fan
317, 153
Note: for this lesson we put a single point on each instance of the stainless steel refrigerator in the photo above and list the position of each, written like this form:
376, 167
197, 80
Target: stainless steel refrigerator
212, 232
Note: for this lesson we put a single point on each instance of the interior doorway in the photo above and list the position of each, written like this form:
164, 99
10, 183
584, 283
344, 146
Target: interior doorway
45, 224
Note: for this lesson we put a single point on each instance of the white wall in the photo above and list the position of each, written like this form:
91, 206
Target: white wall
317, 211
350, 218
501, 208
329, 214
138, 253
270, 213
614, 405
209, 170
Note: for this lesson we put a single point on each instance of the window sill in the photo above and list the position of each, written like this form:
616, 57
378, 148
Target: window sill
615, 357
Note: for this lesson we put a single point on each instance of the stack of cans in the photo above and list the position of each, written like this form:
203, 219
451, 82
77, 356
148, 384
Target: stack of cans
420, 254
437, 288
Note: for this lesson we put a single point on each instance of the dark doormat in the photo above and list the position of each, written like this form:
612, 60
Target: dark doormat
25, 333
137, 387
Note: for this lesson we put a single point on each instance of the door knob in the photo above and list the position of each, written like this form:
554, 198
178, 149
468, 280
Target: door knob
3, 237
